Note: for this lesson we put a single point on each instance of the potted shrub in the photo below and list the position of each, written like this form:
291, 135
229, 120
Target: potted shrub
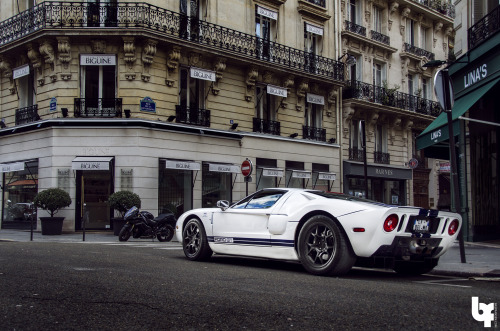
51, 200
122, 201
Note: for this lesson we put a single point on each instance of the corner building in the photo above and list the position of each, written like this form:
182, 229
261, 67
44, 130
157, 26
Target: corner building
166, 99
385, 45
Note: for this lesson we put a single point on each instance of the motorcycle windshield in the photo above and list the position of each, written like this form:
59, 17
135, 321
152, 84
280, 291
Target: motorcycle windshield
131, 213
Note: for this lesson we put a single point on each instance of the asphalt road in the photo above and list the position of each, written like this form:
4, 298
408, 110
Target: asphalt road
140, 286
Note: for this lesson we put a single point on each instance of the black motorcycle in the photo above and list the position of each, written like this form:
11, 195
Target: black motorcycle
143, 224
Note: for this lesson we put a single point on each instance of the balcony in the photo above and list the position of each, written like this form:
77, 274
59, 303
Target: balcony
381, 157
27, 115
98, 107
313, 133
408, 48
485, 28
115, 17
193, 116
266, 126
356, 154
355, 28
443, 7
381, 38
380, 95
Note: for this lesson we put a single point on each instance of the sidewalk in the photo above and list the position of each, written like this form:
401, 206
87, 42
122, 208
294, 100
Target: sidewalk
482, 259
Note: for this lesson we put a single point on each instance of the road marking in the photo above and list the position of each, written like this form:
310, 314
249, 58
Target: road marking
443, 282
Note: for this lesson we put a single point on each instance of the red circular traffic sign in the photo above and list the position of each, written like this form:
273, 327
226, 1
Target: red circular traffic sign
246, 168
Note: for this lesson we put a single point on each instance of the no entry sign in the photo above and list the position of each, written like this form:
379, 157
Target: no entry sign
246, 168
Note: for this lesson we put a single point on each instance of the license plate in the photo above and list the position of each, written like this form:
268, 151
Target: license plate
421, 226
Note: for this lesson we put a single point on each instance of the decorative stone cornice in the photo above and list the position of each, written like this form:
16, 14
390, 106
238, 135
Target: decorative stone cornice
252, 75
47, 51
98, 46
302, 89
148, 53
173, 57
219, 67
129, 56
64, 56
36, 62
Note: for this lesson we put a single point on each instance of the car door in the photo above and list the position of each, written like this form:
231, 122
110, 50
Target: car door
246, 223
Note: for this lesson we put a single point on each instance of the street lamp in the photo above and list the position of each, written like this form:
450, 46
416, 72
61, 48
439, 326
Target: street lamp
444, 94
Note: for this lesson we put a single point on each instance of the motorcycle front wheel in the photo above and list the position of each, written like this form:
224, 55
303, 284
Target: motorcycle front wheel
124, 234
166, 233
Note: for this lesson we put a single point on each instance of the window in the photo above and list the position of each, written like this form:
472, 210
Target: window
313, 115
260, 200
265, 111
424, 38
377, 19
355, 71
192, 11
411, 85
265, 30
352, 11
410, 32
215, 186
425, 88
377, 74
312, 45
175, 190
102, 13
354, 139
380, 139
481, 8
290, 180
98, 89
262, 180
320, 184
26, 90
192, 100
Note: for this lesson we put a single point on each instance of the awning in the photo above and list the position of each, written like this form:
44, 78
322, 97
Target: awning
182, 165
91, 163
437, 131
24, 182
215, 167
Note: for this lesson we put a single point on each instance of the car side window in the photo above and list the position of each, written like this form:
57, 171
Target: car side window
264, 201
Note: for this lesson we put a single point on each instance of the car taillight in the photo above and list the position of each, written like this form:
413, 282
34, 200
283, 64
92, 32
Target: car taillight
391, 222
453, 227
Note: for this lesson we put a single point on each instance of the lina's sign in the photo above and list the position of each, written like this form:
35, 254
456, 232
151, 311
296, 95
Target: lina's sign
475, 75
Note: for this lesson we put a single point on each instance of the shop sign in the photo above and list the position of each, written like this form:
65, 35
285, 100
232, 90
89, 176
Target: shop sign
279, 91
473, 74
314, 29
269, 172
202, 74
384, 172
444, 167
21, 71
97, 59
91, 163
223, 168
147, 104
182, 165
327, 176
314, 98
267, 13
301, 174
9, 167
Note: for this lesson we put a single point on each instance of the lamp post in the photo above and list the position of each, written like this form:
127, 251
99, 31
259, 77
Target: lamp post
444, 93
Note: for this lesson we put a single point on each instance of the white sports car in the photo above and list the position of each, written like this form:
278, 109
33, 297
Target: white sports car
327, 232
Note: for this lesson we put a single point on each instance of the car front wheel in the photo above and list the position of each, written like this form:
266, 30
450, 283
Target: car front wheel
323, 248
195, 242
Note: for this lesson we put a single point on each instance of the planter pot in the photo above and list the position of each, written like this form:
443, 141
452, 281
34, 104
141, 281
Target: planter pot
52, 225
118, 224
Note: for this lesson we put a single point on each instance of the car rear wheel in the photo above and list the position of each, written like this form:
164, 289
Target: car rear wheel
195, 242
323, 247
414, 267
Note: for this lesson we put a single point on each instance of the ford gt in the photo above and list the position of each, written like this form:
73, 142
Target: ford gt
328, 233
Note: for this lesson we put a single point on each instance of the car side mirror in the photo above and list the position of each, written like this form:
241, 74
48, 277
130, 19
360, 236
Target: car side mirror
223, 204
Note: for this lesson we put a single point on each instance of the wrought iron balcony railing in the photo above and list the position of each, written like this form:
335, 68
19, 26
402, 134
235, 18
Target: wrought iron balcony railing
313, 133
356, 28
193, 116
417, 51
356, 154
483, 29
381, 157
377, 36
321, 3
378, 94
27, 115
98, 107
266, 126
444, 7
127, 15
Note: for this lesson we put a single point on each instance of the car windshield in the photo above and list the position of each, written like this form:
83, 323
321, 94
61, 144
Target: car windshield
263, 199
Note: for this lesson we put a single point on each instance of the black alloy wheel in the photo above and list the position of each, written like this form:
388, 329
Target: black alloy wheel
195, 242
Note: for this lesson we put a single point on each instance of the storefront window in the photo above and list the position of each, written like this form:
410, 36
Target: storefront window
175, 189
318, 183
291, 181
19, 190
263, 179
215, 186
